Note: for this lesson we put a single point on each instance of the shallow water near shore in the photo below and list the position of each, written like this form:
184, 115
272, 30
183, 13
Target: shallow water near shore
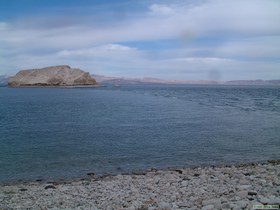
52, 133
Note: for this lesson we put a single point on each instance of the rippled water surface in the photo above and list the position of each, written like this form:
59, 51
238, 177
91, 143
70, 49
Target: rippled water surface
55, 133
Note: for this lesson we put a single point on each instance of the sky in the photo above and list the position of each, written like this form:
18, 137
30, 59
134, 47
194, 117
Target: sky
168, 39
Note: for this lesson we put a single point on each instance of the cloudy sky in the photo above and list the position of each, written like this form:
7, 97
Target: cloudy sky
167, 39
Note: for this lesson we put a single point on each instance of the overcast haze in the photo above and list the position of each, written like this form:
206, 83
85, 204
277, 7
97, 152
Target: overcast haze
184, 40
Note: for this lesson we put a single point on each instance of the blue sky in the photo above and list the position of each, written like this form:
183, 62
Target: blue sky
168, 39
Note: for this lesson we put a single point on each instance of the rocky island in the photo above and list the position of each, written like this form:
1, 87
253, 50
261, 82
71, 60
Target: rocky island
52, 76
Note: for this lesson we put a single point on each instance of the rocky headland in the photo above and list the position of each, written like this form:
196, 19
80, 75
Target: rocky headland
52, 76
232, 187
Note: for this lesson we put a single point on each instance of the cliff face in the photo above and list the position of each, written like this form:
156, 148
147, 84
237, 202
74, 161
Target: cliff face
52, 76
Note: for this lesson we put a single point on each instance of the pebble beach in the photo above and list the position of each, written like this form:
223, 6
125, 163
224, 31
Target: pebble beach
213, 187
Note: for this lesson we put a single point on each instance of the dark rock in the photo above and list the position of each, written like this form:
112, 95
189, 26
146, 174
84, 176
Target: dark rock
50, 187
196, 174
23, 189
274, 161
252, 193
139, 173
247, 174
179, 171
53, 183
231, 191
153, 169
91, 174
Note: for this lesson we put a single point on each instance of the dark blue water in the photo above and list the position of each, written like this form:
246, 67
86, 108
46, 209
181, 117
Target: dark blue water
53, 133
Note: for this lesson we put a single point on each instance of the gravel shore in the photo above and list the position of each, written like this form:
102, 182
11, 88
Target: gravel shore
217, 187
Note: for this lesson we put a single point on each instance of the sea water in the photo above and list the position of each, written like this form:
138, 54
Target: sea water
52, 133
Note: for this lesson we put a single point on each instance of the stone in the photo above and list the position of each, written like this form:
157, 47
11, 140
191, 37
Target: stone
264, 200
179, 171
244, 187
252, 193
242, 194
274, 201
50, 187
139, 173
241, 204
225, 206
91, 174
208, 207
216, 202
183, 204
164, 206
184, 183
52, 76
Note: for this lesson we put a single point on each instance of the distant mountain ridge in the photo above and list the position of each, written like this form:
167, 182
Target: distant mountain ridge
147, 80
253, 82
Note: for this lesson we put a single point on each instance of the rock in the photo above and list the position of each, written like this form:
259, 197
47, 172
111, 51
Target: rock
51, 76
208, 207
184, 205
242, 194
225, 206
234, 206
216, 202
2, 207
241, 204
179, 171
173, 198
243, 187
91, 174
139, 173
274, 201
23, 189
274, 162
50, 187
196, 175
252, 193
184, 183
164, 206
264, 200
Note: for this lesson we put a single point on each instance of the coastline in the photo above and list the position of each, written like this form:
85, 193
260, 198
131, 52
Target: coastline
207, 187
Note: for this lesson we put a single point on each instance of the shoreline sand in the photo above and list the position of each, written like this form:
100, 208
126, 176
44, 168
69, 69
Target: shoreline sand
208, 187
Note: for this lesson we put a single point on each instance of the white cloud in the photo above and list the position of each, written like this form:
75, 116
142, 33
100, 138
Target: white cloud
103, 50
247, 28
160, 9
256, 48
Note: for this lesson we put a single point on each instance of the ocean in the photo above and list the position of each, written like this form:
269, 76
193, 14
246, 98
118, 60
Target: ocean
65, 133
